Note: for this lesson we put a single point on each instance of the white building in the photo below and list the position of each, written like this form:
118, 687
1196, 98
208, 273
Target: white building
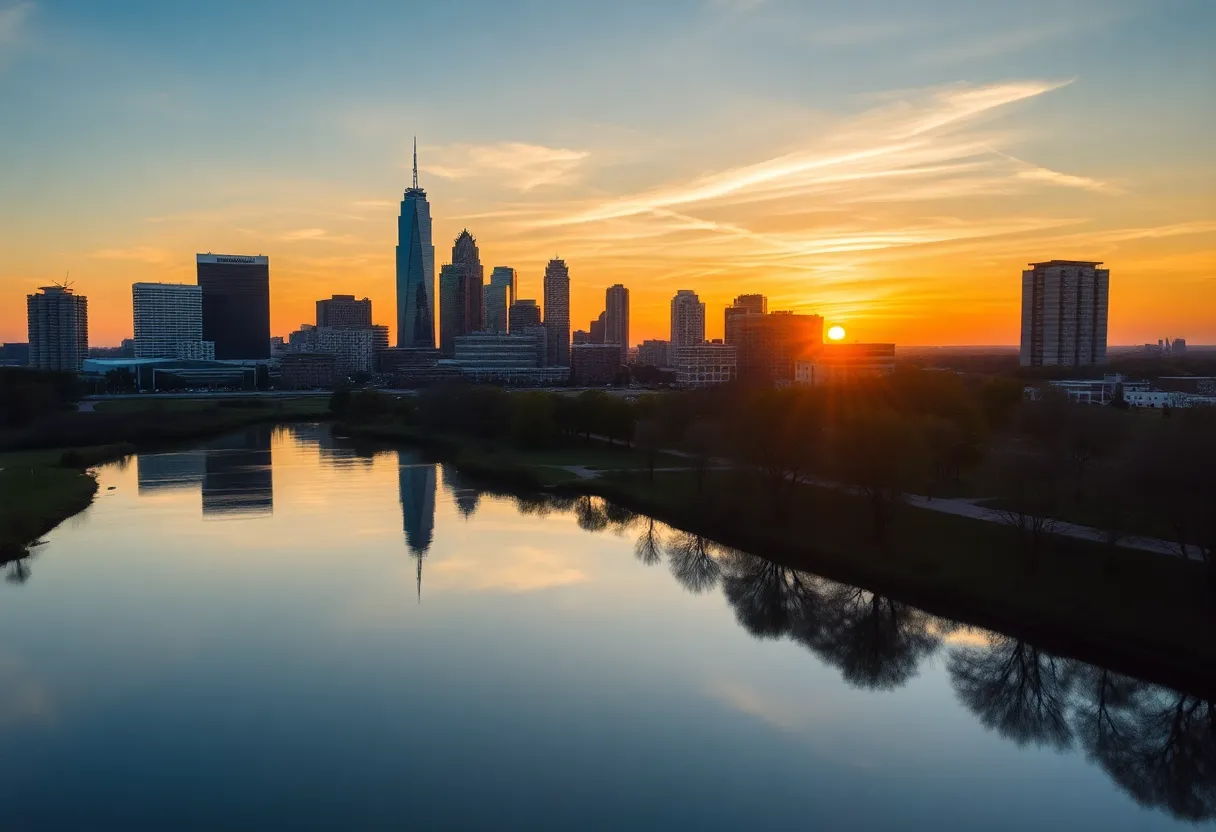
354, 349
704, 365
687, 319
169, 321
1064, 309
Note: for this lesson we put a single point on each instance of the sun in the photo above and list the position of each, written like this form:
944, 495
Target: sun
836, 333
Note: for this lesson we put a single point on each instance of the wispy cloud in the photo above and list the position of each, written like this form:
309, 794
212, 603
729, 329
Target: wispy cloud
884, 142
316, 235
521, 166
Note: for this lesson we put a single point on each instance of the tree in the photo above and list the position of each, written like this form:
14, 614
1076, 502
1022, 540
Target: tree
1090, 435
648, 437
881, 453
1028, 484
649, 545
702, 441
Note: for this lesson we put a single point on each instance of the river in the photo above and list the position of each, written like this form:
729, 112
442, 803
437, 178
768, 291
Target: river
279, 629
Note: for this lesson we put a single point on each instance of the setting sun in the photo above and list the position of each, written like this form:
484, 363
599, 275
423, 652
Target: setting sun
836, 333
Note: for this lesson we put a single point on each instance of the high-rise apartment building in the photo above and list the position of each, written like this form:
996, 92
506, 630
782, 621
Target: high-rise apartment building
743, 305
460, 293
616, 318
59, 329
1064, 310
595, 332
687, 319
236, 304
499, 294
169, 321
354, 349
415, 268
524, 312
344, 312
557, 312
654, 353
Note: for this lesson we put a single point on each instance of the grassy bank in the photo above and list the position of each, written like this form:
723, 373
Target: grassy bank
39, 489
1141, 613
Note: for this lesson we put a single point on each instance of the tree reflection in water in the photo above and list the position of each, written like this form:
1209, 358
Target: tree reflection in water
18, 569
1157, 744
1015, 689
692, 562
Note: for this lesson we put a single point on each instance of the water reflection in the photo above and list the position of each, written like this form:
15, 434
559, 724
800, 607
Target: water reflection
416, 489
1157, 744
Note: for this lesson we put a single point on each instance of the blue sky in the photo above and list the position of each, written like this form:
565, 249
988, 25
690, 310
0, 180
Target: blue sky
138, 133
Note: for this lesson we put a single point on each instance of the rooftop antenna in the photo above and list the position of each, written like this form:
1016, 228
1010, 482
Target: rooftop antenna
415, 161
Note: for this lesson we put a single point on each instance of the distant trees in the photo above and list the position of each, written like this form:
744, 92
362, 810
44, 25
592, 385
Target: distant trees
648, 439
29, 395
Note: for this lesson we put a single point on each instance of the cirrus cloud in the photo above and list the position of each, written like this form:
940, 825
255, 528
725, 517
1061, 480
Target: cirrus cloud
517, 165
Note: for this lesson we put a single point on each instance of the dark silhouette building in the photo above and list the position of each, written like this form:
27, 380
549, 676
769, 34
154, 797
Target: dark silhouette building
344, 312
768, 345
616, 318
460, 293
415, 268
236, 304
523, 312
594, 365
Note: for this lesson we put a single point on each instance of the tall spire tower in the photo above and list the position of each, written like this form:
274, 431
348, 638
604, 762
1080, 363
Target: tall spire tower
415, 268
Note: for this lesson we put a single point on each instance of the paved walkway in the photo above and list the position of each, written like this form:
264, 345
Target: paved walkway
964, 507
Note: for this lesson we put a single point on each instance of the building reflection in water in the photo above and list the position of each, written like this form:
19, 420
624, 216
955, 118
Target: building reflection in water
465, 496
333, 451
237, 477
416, 484
169, 471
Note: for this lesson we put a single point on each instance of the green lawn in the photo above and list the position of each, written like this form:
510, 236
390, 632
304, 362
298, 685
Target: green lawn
36, 494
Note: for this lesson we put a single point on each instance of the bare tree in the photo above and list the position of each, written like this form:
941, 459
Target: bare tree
1028, 484
876, 642
702, 441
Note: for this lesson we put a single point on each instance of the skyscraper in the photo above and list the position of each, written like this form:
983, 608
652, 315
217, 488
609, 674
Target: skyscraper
743, 305
616, 318
344, 312
498, 297
415, 268
687, 319
236, 304
58, 322
557, 312
169, 321
460, 290
1064, 309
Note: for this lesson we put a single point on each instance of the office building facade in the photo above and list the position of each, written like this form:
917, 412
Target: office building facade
768, 345
344, 312
1064, 313
687, 319
353, 349
168, 321
594, 365
415, 256
498, 297
843, 363
58, 321
654, 353
704, 365
742, 305
557, 311
236, 304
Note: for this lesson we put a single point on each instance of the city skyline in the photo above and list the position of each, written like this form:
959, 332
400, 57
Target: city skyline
936, 158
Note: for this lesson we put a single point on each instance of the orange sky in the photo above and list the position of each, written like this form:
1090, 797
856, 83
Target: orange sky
905, 213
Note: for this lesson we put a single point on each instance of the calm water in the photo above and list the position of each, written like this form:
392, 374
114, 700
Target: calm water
279, 631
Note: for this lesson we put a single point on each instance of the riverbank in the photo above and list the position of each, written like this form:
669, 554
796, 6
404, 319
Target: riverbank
39, 490
43, 469
1139, 612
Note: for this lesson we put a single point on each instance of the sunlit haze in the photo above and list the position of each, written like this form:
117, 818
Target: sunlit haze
890, 166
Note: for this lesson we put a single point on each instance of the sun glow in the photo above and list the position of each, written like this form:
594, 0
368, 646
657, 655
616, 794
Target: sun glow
836, 333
